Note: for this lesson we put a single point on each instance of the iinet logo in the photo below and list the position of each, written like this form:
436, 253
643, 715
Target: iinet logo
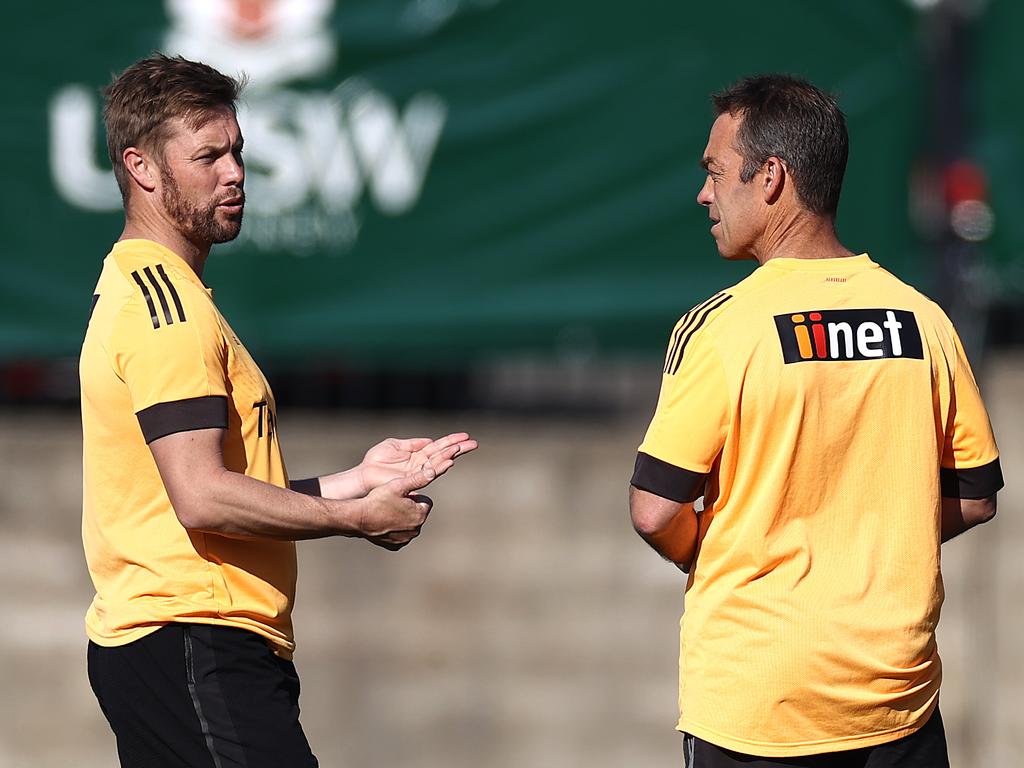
848, 334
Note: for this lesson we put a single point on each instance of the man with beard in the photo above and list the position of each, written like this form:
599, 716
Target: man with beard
189, 518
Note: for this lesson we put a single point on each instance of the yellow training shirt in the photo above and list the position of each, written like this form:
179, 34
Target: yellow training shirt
158, 358
822, 407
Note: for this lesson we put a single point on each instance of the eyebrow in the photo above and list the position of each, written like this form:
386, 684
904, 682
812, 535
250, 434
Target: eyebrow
707, 162
216, 147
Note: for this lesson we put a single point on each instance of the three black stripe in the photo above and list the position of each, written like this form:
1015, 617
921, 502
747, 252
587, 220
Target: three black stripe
148, 295
691, 322
677, 338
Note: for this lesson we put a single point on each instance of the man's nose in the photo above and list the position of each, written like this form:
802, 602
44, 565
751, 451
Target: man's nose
705, 196
234, 173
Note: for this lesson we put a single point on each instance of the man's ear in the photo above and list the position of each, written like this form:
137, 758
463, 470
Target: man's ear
141, 167
775, 178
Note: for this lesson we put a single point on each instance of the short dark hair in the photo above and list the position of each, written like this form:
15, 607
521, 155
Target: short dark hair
789, 118
141, 100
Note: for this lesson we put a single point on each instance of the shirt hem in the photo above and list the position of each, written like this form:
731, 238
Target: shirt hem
803, 748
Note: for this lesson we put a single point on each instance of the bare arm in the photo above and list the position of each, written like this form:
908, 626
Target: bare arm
392, 458
670, 527
959, 515
207, 496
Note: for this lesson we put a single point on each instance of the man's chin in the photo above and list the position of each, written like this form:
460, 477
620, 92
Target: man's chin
724, 251
732, 254
229, 230
226, 237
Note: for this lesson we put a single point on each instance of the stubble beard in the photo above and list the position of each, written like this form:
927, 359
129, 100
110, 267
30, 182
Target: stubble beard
197, 224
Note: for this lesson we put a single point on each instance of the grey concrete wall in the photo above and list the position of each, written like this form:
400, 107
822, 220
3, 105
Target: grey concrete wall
527, 627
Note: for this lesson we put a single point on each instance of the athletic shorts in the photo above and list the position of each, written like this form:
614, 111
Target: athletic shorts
924, 748
200, 696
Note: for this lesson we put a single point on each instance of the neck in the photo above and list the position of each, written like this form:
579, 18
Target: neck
147, 224
800, 235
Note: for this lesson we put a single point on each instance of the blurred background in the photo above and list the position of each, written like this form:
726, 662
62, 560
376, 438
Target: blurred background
480, 215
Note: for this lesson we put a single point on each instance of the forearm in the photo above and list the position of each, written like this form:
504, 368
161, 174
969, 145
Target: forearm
232, 504
349, 484
207, 496
344, 485
670, 528
676, 542
959, 515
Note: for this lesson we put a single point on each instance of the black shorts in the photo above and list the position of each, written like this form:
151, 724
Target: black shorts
200, 696
924, 748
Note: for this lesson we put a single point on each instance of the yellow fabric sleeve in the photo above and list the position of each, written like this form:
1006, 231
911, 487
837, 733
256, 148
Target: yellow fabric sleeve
692, 417
970, 458
184, 361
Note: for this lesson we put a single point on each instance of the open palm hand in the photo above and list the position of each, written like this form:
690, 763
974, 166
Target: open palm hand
398, 457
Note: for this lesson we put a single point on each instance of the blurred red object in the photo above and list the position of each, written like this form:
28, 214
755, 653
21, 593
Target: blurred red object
964, 181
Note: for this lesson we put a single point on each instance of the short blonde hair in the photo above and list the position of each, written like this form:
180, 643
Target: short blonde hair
140, 102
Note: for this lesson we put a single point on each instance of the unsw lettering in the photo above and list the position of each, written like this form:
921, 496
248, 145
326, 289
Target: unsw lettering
823, 335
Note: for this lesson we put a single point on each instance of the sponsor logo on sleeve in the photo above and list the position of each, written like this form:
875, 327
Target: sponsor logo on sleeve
833, 335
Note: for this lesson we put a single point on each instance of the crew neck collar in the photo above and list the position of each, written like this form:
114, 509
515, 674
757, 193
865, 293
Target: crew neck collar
843, 264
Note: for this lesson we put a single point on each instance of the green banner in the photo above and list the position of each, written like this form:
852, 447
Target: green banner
442, 181
996, 117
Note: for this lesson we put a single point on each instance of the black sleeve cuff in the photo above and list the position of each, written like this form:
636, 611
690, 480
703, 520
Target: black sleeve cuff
975, 483
310, 487
165, 419
667, 480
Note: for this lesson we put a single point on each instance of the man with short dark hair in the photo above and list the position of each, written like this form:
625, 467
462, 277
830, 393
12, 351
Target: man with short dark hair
828, 416
189, 517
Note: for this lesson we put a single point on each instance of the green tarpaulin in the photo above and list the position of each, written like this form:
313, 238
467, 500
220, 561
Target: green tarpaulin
443, 180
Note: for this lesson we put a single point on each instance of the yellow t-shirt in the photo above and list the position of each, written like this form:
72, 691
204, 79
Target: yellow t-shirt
822, 407
158, 358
